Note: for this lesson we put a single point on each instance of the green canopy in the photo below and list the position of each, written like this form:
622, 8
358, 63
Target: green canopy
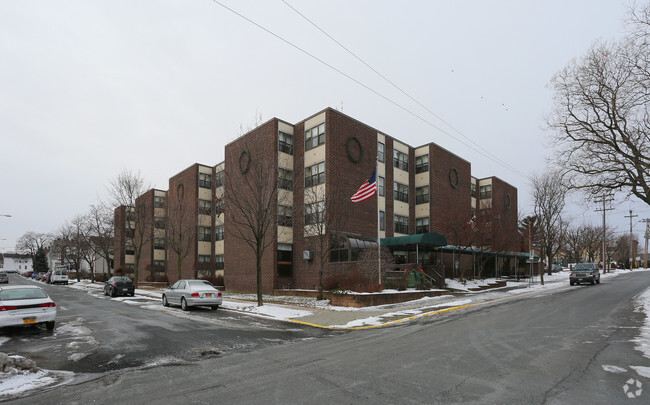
421, 241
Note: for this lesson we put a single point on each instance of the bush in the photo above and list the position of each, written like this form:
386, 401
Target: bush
149, 278
214, 280
162, 279
350, 282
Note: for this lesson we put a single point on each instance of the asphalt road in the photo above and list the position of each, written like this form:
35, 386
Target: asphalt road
546, 348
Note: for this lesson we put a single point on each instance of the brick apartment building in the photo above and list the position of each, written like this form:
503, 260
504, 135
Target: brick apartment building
315, 166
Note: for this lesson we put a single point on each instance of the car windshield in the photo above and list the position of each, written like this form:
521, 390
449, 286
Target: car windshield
584, 267
199, 283
122, 280
22, 294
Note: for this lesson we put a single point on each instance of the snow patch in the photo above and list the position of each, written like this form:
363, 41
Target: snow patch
642, 371
643, 340
614, 369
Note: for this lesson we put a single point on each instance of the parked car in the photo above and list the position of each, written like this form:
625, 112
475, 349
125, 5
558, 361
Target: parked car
556, 268
119, 285
191, 293
4, 278
28, 274
25, 305
58, 277
585, 272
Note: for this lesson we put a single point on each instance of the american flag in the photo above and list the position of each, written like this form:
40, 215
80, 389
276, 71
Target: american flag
367, 189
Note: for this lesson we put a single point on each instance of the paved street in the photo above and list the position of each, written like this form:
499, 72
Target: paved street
564, 346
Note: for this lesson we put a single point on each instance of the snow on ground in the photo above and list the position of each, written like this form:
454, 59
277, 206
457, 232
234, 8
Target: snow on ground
643, 340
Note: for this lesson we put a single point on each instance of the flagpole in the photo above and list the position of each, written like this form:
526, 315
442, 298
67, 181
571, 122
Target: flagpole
378, 225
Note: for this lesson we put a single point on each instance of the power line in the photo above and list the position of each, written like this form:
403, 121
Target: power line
368, 88
496, 159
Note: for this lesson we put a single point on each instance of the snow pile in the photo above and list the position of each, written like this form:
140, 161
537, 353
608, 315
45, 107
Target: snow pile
643, 341
19, 374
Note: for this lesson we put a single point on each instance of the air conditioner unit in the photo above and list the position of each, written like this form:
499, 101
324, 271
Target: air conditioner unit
308, 254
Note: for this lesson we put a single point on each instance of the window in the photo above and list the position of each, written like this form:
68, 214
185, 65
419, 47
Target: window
401, 224
158, 201
218, 262
159, 264
485, 191
473, 186
422, 195
381, 185
422, 164
285, 143
401, 192
314, 213
205, 207
285, 179
315, 174
218, 206
381, 151
340, 251
285, 215
204, 258
315, 137
422, 225
159, 223
401, 160
382, 221
218, 232
129, 250
204, 234
219, 178
205, 180
159, 243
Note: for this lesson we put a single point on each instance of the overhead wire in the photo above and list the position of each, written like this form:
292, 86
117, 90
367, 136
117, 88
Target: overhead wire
396, 104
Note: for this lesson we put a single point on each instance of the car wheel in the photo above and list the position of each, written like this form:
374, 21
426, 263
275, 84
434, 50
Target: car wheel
105, 293
593, 282
184, 306
164, 299
215, 307
598, 281
113, 293
49, 325
571, 282
133, 294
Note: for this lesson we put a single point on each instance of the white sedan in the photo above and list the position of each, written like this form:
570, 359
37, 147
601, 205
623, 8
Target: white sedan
26, 305
192, 293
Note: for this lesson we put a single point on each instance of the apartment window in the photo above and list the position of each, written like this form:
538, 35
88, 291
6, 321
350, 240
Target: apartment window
285, 214
205, 180
422, 164
401, 224
381, 186
129, 250
381, 151
205, 207
285, 143
422, 195
382, 221
315, 174
218, 206
159, 264
158, 201
159, 243
218, 262
401, 192
314, 137
159, 224
285, 179
422, 225
204, 258
219, 179
218, 232
401, 160
204, 234
314, 213
485, 191
473, 187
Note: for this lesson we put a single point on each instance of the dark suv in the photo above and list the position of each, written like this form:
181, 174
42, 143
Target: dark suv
586, 273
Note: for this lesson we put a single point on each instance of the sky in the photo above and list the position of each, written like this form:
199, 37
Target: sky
88, 88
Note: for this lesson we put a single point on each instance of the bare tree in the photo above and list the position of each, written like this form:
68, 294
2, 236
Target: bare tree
601, 115
124, 190
549, 195
181, 227
72, 242
31, 242
100, 230
250, 203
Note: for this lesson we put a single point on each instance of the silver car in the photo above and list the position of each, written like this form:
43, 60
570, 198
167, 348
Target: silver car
23, 305
192, 293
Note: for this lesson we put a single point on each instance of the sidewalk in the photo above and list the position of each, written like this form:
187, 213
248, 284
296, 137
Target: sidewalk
309, 311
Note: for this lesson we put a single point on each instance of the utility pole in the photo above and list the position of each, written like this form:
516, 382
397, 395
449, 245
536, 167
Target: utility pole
631, 252
604, 200
647, 236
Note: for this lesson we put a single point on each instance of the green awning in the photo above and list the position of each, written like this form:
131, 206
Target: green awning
421, 241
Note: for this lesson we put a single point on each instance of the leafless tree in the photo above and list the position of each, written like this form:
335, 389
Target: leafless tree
100, 230
71, 240
30, 242
250, 203
124, 190
181, 227
601, 118
549, 196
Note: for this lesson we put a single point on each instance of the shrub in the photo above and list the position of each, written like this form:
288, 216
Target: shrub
162, 279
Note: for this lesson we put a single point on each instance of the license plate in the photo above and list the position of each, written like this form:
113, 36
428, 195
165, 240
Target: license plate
208, 295
28, 321
125, 289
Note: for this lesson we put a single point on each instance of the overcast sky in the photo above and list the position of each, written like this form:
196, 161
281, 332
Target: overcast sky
90, 87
